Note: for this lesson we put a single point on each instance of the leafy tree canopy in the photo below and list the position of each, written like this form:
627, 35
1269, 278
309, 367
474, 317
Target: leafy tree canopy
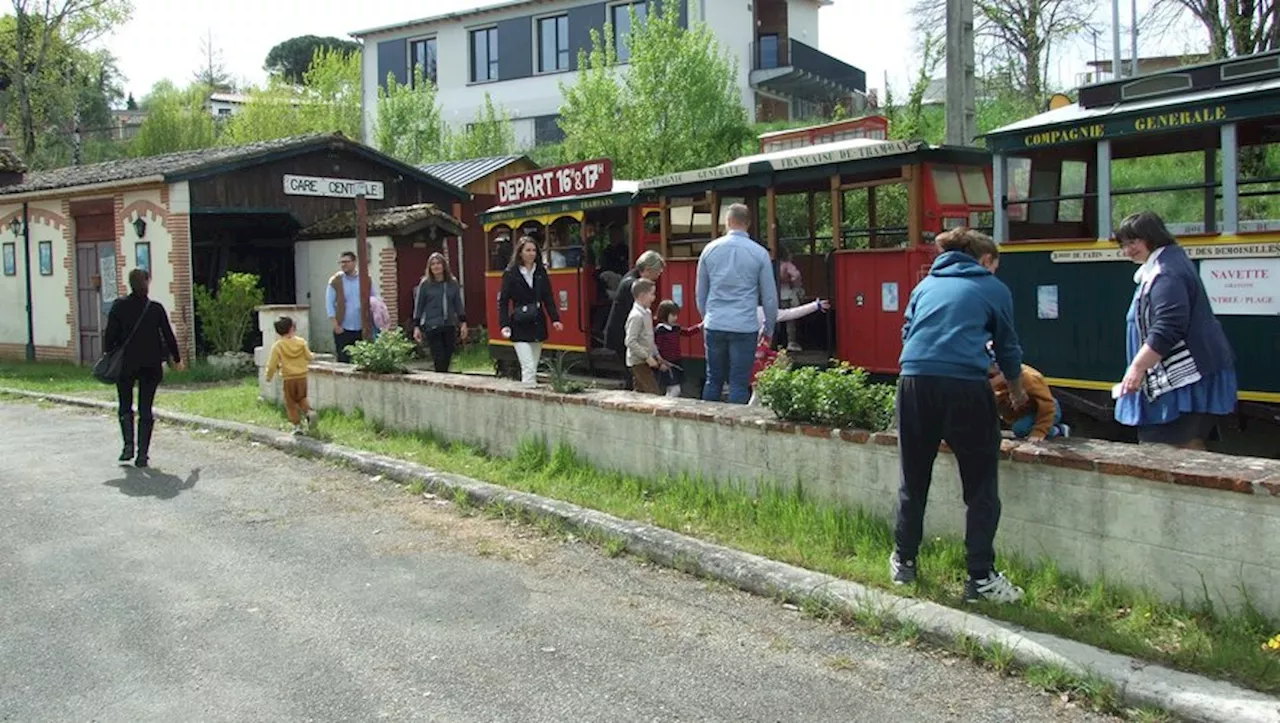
290, 59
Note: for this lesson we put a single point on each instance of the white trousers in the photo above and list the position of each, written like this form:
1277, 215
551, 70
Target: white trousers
673, 390
528, 352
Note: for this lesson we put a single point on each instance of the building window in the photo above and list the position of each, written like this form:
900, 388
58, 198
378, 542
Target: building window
484, 55
768, 52
422, 54
621, 19
553, 44
546, 130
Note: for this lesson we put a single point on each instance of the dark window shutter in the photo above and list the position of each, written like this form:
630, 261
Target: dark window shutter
393, 59
582, 20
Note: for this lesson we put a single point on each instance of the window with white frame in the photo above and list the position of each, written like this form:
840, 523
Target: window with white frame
620, 17
484, 55
553, 44
422, 54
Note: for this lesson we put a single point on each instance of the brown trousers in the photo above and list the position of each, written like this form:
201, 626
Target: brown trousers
645, 382
295, 399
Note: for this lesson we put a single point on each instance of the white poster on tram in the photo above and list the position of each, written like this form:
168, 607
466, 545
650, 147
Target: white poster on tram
1242, 287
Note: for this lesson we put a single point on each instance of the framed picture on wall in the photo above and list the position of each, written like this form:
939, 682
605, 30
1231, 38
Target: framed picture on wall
142, 255
46, 258
10, 260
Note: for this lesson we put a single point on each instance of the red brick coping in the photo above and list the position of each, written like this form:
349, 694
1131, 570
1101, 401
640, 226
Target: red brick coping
1246, 475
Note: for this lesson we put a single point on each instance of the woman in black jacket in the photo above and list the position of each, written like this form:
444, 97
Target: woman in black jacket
523, 306
438, 314
141, 327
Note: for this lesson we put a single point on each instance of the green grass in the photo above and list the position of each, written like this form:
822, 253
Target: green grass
60, 378
473, 358
790, 527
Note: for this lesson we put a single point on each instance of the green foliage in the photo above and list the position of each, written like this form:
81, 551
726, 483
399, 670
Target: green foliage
225, 317
327, 101
291, 59
558, 372
388, 354
409, 123
840, 396
678, 106
489, 134
176, 121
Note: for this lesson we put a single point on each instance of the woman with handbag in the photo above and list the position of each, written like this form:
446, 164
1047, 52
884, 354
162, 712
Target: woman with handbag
523, 306
139, 336
439, 317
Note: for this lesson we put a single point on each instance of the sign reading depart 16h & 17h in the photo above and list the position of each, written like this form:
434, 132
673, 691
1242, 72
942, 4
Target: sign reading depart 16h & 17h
575, 179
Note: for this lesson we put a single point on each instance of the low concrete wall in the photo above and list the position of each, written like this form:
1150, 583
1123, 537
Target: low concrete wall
1171, 522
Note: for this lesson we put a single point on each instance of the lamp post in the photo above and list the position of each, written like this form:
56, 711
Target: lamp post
23, 228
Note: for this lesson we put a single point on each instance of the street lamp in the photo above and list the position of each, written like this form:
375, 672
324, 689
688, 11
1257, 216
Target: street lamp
140, 227
16, 226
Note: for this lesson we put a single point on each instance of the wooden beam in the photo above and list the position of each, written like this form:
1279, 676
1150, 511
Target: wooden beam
837, 213
915, 205
713, 201
877, 182
635, 227
771, 215
664, 213
813, 224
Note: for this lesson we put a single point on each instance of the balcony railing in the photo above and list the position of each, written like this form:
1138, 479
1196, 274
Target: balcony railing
769, 53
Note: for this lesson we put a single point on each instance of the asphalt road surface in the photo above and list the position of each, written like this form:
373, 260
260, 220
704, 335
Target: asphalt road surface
236, 583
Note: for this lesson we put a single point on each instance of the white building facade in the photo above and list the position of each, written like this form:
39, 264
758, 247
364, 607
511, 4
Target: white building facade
521, 51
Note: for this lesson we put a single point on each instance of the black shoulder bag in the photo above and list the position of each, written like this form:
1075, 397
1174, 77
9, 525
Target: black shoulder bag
107, 369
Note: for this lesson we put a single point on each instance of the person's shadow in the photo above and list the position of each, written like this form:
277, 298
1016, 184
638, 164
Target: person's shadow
151, 482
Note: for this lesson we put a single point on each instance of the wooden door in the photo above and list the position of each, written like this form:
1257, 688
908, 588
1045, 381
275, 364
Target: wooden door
95, 292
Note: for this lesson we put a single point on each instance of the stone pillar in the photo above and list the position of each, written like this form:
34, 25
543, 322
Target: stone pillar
267, 316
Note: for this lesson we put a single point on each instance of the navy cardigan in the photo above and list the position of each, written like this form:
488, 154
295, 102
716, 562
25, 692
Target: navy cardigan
1180, 309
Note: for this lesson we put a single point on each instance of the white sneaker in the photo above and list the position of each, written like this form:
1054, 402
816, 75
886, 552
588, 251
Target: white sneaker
995, 588
297, 429
794, 347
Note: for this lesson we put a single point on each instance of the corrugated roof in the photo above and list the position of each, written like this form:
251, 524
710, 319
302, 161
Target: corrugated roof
462, 173
188, 164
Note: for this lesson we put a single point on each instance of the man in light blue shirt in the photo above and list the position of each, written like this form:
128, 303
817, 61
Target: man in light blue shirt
735, 279
344, 305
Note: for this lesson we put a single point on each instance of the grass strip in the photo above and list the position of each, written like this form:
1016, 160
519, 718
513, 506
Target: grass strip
786, 525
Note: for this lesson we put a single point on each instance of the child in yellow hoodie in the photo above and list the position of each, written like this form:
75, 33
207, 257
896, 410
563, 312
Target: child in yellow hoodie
1040, 417
290, 356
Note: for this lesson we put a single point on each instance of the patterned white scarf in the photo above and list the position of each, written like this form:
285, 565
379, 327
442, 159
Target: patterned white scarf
1178, 369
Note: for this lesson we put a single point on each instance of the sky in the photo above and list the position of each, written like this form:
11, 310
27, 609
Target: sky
874, 35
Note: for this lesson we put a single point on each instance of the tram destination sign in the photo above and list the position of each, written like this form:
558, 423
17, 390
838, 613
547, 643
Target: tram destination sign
332, 187
576, 179
1223, 251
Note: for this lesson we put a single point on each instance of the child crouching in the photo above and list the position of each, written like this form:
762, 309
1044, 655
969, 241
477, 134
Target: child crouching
290, 356
1040, 417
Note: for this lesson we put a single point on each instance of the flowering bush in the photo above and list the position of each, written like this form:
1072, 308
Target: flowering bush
388, 354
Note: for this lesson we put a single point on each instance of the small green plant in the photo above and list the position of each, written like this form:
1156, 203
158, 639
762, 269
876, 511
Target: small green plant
417, 488
839, 396
558, 372
225, 316
388, 354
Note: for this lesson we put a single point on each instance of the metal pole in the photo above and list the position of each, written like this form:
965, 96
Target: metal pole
1133, 38
26, 251
1116, 71
362, 260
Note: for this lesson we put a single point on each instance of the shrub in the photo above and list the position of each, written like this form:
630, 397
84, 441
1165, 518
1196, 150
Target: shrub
839, 396
225, 317
387, 354
558, 374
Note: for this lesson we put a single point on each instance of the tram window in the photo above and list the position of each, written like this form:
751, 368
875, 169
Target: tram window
1019, 187
974, 182
1072, 184
946, 185
1043, 183
1259, 187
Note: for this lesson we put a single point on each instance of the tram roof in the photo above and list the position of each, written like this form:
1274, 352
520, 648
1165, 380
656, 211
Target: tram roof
622, 193
794, 164
1075, 124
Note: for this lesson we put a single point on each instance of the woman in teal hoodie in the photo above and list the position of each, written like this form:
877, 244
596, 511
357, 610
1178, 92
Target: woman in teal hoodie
943, 394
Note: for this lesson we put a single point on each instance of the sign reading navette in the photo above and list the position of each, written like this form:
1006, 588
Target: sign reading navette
1242, 287
331, 187
575, 179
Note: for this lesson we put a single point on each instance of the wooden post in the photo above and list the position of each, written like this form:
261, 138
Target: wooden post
362, 262
837, 213
813, 224
872, 240
664, 215
635, 227
915, 212
771, 214
713, 197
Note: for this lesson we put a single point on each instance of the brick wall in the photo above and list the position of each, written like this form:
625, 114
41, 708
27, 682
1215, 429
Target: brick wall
69, 263
182, 316
389, 282
43, 353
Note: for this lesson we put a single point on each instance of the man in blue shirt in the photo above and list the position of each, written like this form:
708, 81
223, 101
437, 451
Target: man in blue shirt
735, 281
344, 306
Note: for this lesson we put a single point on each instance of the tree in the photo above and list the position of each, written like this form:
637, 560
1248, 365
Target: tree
328, 101
43, 32
1234, 27
176, 121
409, 124
212, 73
1016, 37
131, 104
225, 317
490, 134
291, 59
677, 105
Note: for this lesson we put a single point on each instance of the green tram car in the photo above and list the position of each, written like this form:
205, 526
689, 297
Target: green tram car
1198, 145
